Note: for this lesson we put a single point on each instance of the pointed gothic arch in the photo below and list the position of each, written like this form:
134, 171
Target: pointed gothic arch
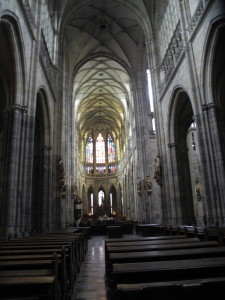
41, 205
91, 203
180, 120
113, 201
120, 202
12, 132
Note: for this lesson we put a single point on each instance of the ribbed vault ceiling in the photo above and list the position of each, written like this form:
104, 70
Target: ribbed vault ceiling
101, 90
103, 40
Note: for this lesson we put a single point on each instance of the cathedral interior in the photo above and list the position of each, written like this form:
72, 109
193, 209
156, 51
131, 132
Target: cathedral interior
111, 110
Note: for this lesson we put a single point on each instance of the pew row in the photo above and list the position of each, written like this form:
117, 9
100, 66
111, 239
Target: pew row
200, 288
165, 271
30, 256
17, 283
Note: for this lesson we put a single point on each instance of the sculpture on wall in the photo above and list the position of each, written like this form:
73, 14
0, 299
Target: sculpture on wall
138, 184
198, 194
158, 171
62, 180
74, 192
148, 185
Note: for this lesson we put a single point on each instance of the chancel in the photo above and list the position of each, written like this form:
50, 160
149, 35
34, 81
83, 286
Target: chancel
112, 131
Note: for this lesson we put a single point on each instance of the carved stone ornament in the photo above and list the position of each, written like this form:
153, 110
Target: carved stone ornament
148, 185
61, 179
138, 184
74, 192
158, 171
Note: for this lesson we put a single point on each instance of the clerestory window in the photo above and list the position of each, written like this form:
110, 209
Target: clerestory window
100, 155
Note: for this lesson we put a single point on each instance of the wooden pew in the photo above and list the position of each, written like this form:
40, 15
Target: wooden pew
163, 255
166, 271
146, 248
68, 268
165, 246
115, 231
199, 288
188, 289
151, 242
152, 238
46, 243
30, 284
215, 234
147, 229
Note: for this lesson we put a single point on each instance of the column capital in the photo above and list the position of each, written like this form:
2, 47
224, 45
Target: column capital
45, 147
213, 106
171, 145
209, 106
16, 107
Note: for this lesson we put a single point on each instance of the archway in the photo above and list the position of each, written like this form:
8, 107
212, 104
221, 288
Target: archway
113, 201
12, 111
218, 75
3, 105
120, 203
91, 201
181, 122
41, 200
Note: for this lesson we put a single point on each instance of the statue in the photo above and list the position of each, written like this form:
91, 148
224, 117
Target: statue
62, 180
138, 184
148, 184
198, 193
74, 193
158, 172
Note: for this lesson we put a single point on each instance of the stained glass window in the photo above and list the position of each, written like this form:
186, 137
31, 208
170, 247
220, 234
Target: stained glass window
92, 203
90, 169
112, 169
111, 149
100, 169
89, 150
101, 197
100, 149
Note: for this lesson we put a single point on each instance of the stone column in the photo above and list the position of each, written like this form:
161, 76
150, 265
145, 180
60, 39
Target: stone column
173, 207
10, 172
213, 164
46, 216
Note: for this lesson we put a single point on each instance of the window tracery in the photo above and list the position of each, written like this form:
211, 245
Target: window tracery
100, 155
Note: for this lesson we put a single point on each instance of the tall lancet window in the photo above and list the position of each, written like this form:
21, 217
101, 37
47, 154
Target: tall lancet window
100, 149
111, 149
89, 150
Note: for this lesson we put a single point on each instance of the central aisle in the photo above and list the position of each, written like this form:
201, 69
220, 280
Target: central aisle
91, 281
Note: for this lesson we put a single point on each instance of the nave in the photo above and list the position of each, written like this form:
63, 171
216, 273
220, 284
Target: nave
164, 262
91, 281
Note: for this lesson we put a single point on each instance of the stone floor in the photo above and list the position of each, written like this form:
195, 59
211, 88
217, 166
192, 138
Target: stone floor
91, 281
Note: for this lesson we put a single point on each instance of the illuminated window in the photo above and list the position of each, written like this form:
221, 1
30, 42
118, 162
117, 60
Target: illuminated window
100, 149
112, 169
89, 150
100, 169
101, 197
92, 203
111, 207
97, 162
90, 169
111, 149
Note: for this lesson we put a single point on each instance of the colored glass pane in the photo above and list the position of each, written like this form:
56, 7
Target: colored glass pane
111, 149
89, 150
100, 169
112, 169
100, 149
